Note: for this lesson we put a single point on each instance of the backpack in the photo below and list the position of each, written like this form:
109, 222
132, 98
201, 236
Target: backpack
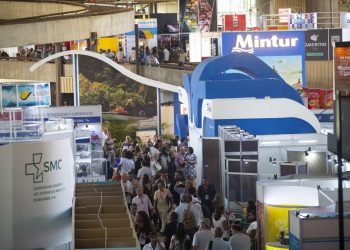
188, 220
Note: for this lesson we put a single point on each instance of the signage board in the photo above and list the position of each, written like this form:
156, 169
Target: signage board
316, 45
39, 183
25, 95
283, 51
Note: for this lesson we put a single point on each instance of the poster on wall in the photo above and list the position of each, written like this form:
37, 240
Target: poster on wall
316, 45
207, 16
34, 95
147, 35
342, 65
283, 51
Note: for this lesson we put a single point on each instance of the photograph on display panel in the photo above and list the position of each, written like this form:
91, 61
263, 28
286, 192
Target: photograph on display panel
9, 96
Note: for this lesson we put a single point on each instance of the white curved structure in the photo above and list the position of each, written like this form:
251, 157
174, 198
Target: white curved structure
251, 108
120, 68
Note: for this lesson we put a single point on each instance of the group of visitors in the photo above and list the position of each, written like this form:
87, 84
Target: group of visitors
168, 211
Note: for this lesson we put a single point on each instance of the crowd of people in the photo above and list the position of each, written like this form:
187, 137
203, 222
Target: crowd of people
147, 56
167, 208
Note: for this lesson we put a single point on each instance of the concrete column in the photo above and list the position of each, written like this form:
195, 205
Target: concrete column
59, 73
150, 8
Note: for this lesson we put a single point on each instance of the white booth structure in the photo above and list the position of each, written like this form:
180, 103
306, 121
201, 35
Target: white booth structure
283, 206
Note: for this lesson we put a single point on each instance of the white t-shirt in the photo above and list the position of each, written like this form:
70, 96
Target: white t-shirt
149, 246
142, 171
166, 55
252, 226
202, 238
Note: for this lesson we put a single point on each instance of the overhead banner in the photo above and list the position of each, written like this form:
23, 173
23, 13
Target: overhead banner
283, 51
37, 210
316, 45
25, 95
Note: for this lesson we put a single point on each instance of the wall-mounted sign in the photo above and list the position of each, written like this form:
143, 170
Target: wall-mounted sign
303, 21
316, 45
283, 51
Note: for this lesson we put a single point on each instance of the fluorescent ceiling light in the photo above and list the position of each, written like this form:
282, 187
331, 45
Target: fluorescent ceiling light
307, 141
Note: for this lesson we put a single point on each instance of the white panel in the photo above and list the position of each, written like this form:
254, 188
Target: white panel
195, 45
345, 21
206, 47
345, 35
6, 196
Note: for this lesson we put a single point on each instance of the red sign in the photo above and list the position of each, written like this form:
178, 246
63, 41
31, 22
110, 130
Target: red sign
234, 22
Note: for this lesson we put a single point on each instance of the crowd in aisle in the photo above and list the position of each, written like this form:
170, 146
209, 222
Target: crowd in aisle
167, 209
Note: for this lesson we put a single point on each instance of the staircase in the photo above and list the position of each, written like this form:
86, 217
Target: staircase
101, 218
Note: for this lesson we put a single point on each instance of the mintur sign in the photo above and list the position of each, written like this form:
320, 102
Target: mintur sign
264, 43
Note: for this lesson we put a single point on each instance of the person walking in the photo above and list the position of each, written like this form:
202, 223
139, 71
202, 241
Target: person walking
239, 240
203, 236
162, 204
218, 243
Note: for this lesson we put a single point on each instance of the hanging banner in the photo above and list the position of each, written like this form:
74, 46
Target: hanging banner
316, 45
283, 51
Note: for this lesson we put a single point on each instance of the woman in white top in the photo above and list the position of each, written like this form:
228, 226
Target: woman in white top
220, 220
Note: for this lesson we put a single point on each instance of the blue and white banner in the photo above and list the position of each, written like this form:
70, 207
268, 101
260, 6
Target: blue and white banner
284, 51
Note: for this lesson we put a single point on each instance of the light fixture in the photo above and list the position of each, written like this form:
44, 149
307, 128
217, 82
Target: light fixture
306, 153
307, 141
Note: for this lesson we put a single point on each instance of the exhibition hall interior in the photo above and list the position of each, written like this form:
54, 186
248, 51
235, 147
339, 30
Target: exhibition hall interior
175, 124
